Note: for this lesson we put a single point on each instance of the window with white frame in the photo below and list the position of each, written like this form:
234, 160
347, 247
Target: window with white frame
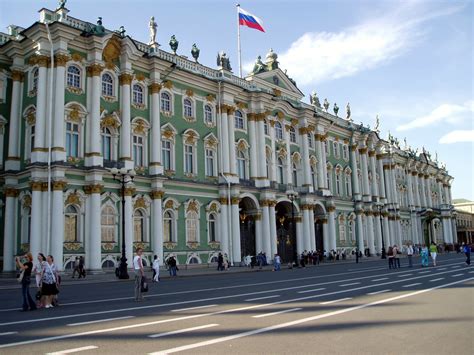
165, 102
326, 147
72, 139
139, 226
329, 179
74, 77
107, 85
166, 154
31, 140
71, 224
352, 229
265, 127
295, 175
212, 227
169, 226
239, 120
189, 167
280, 170
210, 162
278, 130
345, 152
313, 177
292, 134
108, 224
192, 227
342, 229
335, 149
338, 183
348, 184
138, 94
241, 165
188, 108
138, 150
26, 225
107, 143
310, 140
208, 114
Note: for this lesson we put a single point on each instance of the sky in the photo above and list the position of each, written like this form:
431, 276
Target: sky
410, 62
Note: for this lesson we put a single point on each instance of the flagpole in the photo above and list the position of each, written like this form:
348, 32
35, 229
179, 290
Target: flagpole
239, 52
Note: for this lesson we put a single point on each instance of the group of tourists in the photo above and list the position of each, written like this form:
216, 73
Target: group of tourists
47, 280
394, 252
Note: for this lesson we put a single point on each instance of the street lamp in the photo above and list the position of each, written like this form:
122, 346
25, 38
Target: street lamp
292, 197
380, 206
123, 176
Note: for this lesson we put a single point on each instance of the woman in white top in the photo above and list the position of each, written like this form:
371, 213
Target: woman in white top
156, 268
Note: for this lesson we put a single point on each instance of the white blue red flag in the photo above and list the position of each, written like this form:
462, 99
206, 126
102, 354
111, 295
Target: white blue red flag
249, 20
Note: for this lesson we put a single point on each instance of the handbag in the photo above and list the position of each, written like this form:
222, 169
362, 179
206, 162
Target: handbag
144, 285
19, 278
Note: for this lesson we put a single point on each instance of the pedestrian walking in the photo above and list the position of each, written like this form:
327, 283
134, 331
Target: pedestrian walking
26, 268
49, 278
75, 267
277, 262
467, 251
139, 274
424, 256
433, 252
390, 257
396, 257
38, 272
156, 268
410, 255
220, 262
172, 266
226, 262
82, 269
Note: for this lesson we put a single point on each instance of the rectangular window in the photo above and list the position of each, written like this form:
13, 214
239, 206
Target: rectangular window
72, 139
166, 154
209, 162
138, 150
189, 159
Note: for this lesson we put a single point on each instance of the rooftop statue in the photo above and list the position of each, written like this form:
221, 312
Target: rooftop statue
61, 4
258, 67
121, 31
348, 111
271, 60
223, 61
152, 25
314, 100
97, 30
174, 44
195, 52
326, 105
377, 123
336, 109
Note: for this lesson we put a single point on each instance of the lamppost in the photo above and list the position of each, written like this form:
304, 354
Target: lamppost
380, 206
123, 176
292, 197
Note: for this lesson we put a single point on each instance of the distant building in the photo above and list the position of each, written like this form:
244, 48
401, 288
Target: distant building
465, 221
219, 159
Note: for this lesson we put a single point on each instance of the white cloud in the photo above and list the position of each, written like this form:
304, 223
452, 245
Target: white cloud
458, 136
449, 113
319, 56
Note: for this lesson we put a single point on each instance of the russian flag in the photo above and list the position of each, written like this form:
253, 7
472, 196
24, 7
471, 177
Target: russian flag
249, 20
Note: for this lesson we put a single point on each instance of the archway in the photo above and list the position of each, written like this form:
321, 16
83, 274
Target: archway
286, 232
247, 213
319, 221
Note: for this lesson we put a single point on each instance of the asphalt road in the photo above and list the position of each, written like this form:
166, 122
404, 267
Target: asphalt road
358, 308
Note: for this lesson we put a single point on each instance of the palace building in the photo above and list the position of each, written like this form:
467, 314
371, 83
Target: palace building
221, 163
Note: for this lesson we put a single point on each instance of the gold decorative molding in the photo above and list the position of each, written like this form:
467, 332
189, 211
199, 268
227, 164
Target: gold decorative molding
129, 191
77, 57
235, 200
230, 110
18, 75
108, 246
140, 77
189, 92
36, 185
210, 98
298, 219
60, 60
42, 61
140, 127
26, 201
264, 203
73, 199
168, 133
168, 84
277, 92
363, 150
193, 206
241, 105
280, 115
59, 185
371, 153
169, 204
140, 203
75, 115
223, 201
154, 88
72, 246
94, 69
294, 122
125, 79
93, 189
11, 192
31, 117
331, 208
157, 194
112, 50
109, 121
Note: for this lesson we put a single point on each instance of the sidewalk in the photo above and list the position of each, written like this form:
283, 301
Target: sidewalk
8, 281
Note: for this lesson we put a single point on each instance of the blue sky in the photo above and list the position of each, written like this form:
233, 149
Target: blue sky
410, 62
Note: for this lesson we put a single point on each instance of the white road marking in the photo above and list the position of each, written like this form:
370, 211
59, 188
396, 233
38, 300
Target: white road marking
471, 272
314, 290
457, 275
276, 313
351, 284
377, 292
261, 298
299, 321
410, 285
76, 350
334, 301
8, 333
405, 275
442, 268
381, 279
439, 278
368, 269
99, 321
191, 308
160, 335
427, 271
455, 266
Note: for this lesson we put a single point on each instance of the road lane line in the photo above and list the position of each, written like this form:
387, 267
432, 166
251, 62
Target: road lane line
457, 275
350, 284
261, 298
428, 271
76, 350
276, 313
377, 292
299, 321
455, 266
439, 278
314, 290
8, 333
335, 301
191, 308
410, 285
405, 275
368, 269
442, 268
160, 335
381, 279
99, 321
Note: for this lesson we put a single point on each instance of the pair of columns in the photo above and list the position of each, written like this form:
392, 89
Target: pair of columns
227, 139
230, 228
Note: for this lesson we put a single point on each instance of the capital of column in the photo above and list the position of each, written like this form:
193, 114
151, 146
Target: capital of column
60, 60
94, 70
36, 185
265, 203
18, 75
304, 130
154, 88
310, 207
251, 116
129, 191
59, 185
11, 192
363, 150
372, 153
332, 209
272, 203
235, 200
93, 189
223, 200
157, 194
40, 60
298, 219
257, 217
125, 79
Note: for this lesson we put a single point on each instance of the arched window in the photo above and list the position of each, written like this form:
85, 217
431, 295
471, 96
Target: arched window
108, 224
278, 130
292, 134
166, 154
280, 170
210, 162
239, 120
107, 85
137, 94
106, 143
192, 226
168, 227
71, 224
188, 108
348, 184
295, 175
138, 147
335, 149
72, 139
352, 230
208, 114
74, 77
342, 230
345, 152
138, 226
34, 82
165, 102
241, 164
26, 225
212, 227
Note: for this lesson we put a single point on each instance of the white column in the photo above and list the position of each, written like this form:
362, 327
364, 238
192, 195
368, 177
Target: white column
224, 139
370, 234
332, 227
378, 235
442, 199
93, 148
236, 248
454, 232
258, 234
299, 236
224, 224
325, 168
289, 165
446, 230
355, 177
13, 158
386, 232
312, 236
36, 218
388, 184
382, 178
423, 190
10, 229
375, 187
155, 161
59, 152
416, 181
125, 129
253, 145
95, 228
40, 125
305, 158
266, 229
411, 201
428, 190
306, 230
360, 231
157, 233
232, 155
129, 227
57, 224
320, 163
326, 236
273, 232
261, 148
365, 173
